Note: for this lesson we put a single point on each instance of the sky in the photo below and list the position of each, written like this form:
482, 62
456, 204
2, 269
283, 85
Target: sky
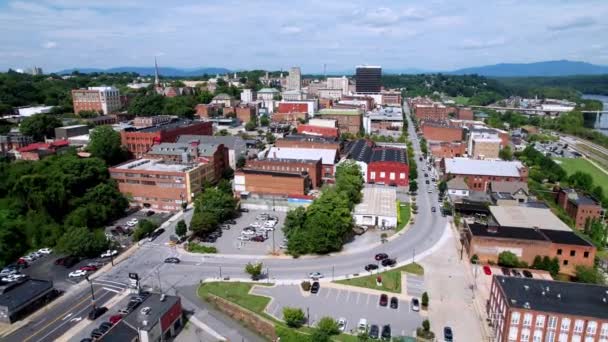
277, 34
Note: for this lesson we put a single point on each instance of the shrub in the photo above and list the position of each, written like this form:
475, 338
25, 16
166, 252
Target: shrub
426, 325
508, 259
425, 299
293, 317
254, 270
305, 285
196, 248
474, 259
328, 325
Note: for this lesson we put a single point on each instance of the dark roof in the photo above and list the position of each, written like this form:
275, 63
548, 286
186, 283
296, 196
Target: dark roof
382, 154
157, 309
119, 333
167, 126
15, 295
360, 150
290, 161
274, 173
567, 298
307, 137
506, 232
565, 237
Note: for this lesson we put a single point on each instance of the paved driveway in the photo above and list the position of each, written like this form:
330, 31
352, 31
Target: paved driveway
350, 304
415, 285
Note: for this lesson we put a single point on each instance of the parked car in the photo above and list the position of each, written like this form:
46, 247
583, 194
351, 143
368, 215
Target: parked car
96, 333
433, 209
8, 271
516, 273
45, 251
258, 238
89, 268
505, 271
381, 256
156, 234
77, 274
386, 332
527, 273
172, 260
150, 213
415, 304
315, 275
231, 221
371, 267
342, 324
115, 318
109, 253
225, 226
104, 327
315, 287
95, 313
394, 303
362, 326
266, 229
244, 210
448, 335
487, 270
383, 299
247, 232
374, 332
243, 238
14, 277
389, 262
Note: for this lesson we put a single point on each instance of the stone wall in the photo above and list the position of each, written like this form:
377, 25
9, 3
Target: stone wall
252, 320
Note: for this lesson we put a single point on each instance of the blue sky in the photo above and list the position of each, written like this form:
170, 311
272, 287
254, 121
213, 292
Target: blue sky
399, 34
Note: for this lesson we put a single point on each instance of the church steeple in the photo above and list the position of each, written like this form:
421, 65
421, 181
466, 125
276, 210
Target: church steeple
156, 77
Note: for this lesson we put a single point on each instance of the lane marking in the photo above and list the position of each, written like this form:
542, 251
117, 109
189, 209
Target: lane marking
111, 290
67, 316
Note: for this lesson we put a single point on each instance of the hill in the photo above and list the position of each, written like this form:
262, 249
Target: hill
148, 71
548, 68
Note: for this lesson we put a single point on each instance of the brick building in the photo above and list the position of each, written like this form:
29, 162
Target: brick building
139, 141
13, 141
104, 100
292, 118
447, 149
205, 111
524, 309
329, 158
246, 113
70, 131
271, 182
37, 151
193, 152
308, 141
478, 173
330, 132
348, 120
154, 183
580, 207
435, 111
381, 165
485, 148
487, 241
391, 98
292, 107
441, 131
464, 113
147, 121
312, 167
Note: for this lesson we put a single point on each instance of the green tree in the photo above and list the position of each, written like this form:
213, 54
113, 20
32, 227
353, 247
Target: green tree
426, 325
328, 325
40, 126
270, 138
589, 275
254, 270
293, 317
144, 228
205, 97
181, 228
425, 299
294, 221
88, 114
443, 186
105, 143
240, 163
581, 180
80, 241
319, 335
251, 126
264, 121
508, 259
147, 105
505, 153
203, 222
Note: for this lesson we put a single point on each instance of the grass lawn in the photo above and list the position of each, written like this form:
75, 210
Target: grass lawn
391, 280
237, 293
196, 248
571, 165
461, 100
404, 212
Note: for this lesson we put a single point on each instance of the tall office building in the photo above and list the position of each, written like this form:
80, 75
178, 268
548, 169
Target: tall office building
368, 79
294, 80
98, 99
338, 83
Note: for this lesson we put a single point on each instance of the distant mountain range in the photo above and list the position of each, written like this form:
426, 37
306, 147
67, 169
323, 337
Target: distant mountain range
149, 71
547, 68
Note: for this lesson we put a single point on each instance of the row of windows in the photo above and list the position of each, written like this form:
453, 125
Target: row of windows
372, 175
284, 168
565, 324
572, 253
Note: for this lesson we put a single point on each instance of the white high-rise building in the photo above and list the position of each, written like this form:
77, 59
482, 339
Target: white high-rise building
294, 80
248, 95
338, 83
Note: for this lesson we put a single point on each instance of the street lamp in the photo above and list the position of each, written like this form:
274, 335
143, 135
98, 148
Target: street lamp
92, 291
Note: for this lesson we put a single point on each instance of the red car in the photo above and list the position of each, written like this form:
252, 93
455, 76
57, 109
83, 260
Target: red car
383, 299
88, 268
487, 270
115, 319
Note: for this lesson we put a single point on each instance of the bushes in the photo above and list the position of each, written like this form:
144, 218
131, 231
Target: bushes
547, 264
425, 330
305, 286
425, 300
508, 259
293, 317
328, 326
144, 228
254, 270
196, 248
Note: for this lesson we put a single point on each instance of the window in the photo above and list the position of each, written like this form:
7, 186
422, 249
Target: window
527, 320
563, 337
538, 335
552, 322
578, 326
591, 328
513, 334
565, 325
525, 335
402, 175
586, 254
550, 336
515, 318
540, 321
559, 251
572, 253
392, 176
604, 331
565, 262
372, 175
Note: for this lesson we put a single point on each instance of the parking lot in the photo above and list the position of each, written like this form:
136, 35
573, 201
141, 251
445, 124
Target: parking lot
233, 241
341, 303
125, 240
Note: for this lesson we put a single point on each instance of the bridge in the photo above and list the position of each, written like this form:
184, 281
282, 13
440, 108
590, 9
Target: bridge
599, 123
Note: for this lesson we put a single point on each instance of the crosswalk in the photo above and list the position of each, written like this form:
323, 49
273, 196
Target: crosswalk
110, 285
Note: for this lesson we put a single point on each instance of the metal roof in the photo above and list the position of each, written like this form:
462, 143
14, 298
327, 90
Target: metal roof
328, 156
527, 217
466, 166
378, 201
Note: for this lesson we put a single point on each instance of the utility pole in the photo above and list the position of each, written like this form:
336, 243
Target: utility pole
92, 292
308, 316
273, 249
160, 286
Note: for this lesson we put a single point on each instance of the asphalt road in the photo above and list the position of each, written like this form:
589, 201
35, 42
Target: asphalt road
148, 263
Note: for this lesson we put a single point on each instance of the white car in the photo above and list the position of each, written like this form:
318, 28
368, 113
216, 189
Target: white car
270, 224
256, 225
266, 229
247, 232
45, 251
243, 238
109, 253
13, 277
6, 272
362, 326
77, 274
342, 324
315, 275
28, 258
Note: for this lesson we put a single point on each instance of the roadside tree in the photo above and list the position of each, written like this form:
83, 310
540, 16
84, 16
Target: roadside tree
293, 317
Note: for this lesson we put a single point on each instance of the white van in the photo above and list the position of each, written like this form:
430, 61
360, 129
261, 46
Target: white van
362, 326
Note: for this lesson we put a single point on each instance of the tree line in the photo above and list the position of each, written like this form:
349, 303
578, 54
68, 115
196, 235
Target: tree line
327, 223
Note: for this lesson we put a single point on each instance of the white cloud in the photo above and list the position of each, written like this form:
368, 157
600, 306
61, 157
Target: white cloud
49, 45
572, 23
477, 44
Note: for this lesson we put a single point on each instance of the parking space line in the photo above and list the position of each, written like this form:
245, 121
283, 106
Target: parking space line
338, 296
358, 296
347, 295
367, 302
328, 292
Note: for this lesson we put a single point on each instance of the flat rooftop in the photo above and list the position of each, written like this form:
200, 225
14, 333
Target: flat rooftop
378, 201
527, 217
567, 298
328, 156
15, 295
466, 166
157, 309
154, 165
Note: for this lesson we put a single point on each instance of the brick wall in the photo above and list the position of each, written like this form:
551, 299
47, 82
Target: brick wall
275, 184
447, 149
390, 173
441, 133
313, 168
306, 144
346, 123
245, 114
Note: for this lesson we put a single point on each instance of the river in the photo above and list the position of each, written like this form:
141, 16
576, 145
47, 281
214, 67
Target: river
604, 118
